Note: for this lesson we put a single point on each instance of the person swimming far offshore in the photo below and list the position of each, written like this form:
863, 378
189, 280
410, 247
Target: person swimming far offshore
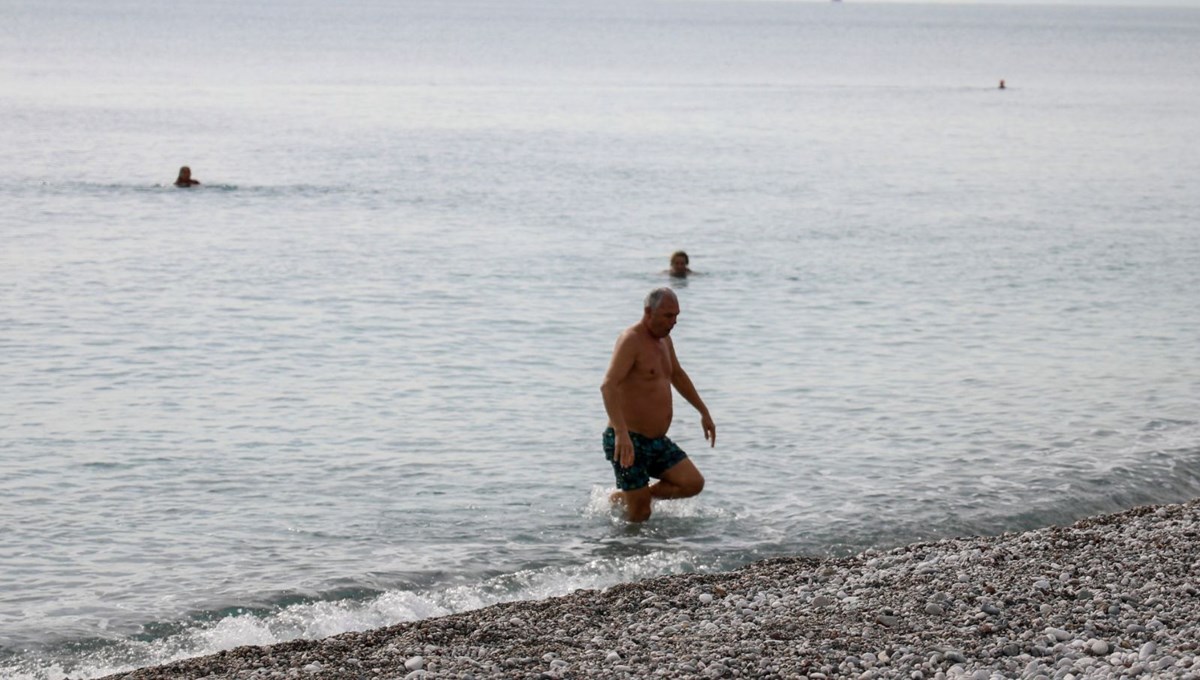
185, 178
637, 398
679, 265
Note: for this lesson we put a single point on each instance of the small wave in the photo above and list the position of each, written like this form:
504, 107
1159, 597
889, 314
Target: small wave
85, 187
1187, 427
599, 505
205, 635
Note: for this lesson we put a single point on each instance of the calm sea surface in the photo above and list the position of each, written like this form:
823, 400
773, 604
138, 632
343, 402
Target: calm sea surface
353, 379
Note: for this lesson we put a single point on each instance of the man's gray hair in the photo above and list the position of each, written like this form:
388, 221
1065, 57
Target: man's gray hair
655, 298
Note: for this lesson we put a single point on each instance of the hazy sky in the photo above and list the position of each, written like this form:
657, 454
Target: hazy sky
1108, 3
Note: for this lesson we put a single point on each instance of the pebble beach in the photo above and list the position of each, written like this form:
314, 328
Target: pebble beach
1112, 596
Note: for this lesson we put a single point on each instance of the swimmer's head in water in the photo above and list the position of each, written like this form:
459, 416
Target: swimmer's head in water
679, 263
185, 178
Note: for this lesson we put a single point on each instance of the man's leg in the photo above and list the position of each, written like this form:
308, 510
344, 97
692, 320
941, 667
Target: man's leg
637, 499
681, 480
637, 503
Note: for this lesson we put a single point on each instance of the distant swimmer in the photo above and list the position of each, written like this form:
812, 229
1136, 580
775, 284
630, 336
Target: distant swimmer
679, 265
1001, 84
185, 178
637, 397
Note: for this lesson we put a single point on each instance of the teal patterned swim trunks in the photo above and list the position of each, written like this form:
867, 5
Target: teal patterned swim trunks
651, 458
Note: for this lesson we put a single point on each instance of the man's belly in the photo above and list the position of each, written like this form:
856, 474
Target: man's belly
649, 416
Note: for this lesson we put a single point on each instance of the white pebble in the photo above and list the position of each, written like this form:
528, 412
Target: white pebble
1058, 634
415, 664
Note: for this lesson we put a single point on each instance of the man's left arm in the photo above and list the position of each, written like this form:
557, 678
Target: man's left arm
683, 385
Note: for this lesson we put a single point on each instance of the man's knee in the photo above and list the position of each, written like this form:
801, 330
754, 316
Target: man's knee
691, 484
683, 480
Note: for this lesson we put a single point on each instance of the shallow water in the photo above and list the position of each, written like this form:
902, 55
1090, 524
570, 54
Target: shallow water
353, 379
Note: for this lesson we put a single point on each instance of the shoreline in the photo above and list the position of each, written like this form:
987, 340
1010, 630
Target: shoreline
1109, 596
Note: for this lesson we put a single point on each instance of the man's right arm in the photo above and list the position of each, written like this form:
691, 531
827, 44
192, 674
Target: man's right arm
622, 362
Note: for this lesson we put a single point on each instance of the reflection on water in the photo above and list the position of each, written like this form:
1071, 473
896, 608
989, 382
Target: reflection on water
354, 379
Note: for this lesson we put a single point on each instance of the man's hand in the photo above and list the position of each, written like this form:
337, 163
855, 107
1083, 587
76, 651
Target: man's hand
624, 449
710, 429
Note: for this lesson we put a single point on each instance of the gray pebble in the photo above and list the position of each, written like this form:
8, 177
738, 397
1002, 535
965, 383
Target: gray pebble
1058, 634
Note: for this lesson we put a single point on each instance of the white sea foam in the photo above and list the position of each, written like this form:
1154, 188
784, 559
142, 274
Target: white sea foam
599, 505
322, 619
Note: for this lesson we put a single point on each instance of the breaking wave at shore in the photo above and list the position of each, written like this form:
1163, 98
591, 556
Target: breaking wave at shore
359, 609
1110, 596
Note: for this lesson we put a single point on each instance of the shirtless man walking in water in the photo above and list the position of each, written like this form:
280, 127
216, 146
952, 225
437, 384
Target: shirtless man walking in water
637, 397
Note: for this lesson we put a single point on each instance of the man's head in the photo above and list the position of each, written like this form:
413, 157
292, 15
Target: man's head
185, 173
661, 310
679, 263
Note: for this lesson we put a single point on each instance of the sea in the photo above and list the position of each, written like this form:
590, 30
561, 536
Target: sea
352, 379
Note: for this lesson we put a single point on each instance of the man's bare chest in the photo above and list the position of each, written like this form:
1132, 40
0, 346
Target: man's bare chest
653, 362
